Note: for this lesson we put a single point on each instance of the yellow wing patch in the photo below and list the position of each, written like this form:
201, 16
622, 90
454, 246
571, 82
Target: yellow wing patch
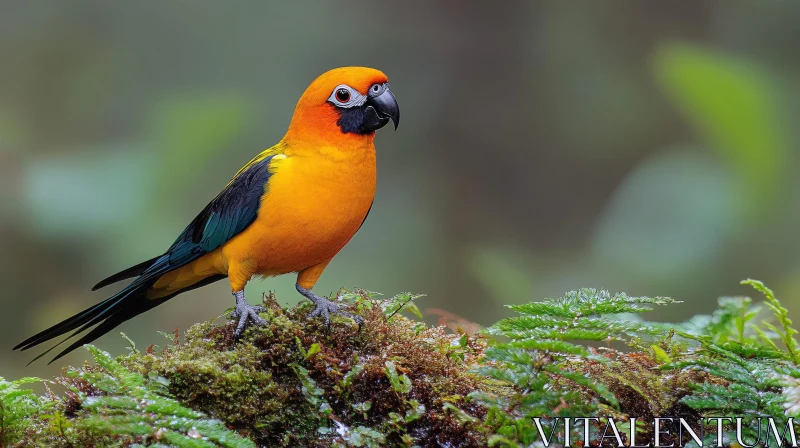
276, 151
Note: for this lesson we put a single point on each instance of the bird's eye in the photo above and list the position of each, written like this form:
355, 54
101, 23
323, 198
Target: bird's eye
376, 88
343, 95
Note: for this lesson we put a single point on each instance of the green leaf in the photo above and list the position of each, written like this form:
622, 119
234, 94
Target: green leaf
460, 415
400, 383
309, 387
401, 302
735, 105
350, 376
313, 350
661, 355
367, 437
416, 411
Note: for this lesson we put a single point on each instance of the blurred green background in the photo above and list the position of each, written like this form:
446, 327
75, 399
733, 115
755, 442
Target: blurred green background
646, 147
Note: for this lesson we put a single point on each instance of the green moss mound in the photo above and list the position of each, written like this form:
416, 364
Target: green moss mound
296, 382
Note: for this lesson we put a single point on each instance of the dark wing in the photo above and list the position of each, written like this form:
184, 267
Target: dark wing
235, 208
232, 211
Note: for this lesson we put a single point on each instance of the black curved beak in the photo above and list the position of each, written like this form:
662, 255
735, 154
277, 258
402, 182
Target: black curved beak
386, 107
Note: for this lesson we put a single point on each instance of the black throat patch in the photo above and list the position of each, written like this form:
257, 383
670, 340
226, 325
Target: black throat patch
351, 120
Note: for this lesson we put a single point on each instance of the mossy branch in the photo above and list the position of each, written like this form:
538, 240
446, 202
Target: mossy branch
399, 382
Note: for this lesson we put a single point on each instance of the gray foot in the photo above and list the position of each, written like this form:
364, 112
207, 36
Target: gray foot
325, 307
246, 314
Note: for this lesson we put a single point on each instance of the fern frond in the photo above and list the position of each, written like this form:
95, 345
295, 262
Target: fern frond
129, 405
786, 332
17, 407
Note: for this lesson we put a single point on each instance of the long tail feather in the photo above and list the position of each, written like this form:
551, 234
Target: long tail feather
106, 315
122, 314
88, 317
133, 271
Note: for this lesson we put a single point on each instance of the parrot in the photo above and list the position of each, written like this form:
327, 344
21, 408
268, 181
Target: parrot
291, 209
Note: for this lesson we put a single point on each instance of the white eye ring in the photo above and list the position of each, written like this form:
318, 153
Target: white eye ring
377, 89
346, 96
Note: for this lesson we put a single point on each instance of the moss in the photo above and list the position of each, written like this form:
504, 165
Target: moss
261, 386
397, 382
296, 382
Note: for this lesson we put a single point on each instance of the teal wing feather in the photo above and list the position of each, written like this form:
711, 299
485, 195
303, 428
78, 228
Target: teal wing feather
232, 211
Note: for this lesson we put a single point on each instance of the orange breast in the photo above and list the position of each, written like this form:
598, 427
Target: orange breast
315, 202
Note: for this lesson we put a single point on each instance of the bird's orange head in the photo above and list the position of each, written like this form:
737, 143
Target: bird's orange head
343, 104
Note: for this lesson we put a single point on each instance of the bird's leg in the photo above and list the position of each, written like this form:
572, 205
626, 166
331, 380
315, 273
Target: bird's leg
246, 313
326, 307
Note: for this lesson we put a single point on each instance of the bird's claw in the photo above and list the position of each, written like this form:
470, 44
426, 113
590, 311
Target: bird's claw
257, 308
325, 307
247, 313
